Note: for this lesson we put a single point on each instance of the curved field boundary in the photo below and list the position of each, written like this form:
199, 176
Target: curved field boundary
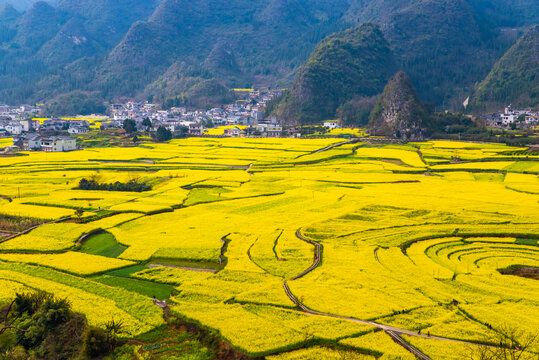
222, 258
317, 255
392, 331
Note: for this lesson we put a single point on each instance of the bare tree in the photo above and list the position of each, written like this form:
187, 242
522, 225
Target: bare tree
9, 319
512, 344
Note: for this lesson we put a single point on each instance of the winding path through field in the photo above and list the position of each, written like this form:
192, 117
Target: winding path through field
392, 331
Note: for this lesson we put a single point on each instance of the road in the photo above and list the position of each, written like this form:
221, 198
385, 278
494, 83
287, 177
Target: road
392, 331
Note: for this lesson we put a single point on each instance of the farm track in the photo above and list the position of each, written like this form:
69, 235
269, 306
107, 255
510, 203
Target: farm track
392, 331
335, 145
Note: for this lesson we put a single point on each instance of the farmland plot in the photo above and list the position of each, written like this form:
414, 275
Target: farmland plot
286, 251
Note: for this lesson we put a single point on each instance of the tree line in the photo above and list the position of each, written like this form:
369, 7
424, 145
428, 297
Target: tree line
132, 185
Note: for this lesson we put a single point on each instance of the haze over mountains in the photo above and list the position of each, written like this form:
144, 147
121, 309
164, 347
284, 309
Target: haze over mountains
23, 5
190, 52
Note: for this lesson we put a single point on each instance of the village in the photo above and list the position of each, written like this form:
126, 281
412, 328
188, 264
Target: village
513, 118
246, 117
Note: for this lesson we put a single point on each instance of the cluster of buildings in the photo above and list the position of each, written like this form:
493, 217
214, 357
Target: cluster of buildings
14, 119
247, 112
514, 118
241, 118
35, 135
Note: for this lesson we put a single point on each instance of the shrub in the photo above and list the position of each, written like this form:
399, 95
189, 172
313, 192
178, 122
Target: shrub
131, 185
95, 343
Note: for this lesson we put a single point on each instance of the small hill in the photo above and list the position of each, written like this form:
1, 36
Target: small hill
222, 64
398, 112
70, 43
355, 62
8, 13
39, 24
76, 103
183, 85
23, 5
8, 19
443, 58
514, 79
108, 20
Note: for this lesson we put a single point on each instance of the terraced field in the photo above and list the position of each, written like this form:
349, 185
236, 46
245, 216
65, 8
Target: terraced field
287, 249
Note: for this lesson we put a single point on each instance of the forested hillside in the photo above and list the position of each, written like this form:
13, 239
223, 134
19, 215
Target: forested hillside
22, 5
514, 79
347, 65
172, 51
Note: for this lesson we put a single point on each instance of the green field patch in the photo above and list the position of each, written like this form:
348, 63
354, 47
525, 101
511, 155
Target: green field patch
127, 271
143, 287
103, 244
489, 177
185, 263
527, 241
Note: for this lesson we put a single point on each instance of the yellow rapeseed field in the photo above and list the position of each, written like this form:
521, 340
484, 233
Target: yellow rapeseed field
413, 236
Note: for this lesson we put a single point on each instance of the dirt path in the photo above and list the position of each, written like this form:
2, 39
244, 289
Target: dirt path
334, 146
392, 331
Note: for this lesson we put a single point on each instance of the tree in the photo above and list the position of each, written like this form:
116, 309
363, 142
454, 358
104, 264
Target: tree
135, 139
147, 123
181, 132
163, 134
113, 328
130, 126
208, 123
512, 344
79, 212
95, 343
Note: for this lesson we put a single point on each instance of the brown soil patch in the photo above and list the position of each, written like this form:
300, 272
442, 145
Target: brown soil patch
522, 271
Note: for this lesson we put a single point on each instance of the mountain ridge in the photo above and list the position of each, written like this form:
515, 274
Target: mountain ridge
355, 62
131, 44
514, 79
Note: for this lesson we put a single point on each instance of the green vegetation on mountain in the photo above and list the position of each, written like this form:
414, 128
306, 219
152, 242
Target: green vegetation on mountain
71, 43
8, 17
127, 48
398, 112
349, 64
23, 5
222, 64
444, 58
514, 79
76, 103
275, 39
508, 13
183, 85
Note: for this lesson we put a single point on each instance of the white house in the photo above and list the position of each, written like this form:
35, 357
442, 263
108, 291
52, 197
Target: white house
14, 128
196, 129
274, 131
77, 130
32, 142
332, 124
509, 118
234, 132
57, 144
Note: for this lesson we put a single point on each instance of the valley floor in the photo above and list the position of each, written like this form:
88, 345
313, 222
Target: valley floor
359, 251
